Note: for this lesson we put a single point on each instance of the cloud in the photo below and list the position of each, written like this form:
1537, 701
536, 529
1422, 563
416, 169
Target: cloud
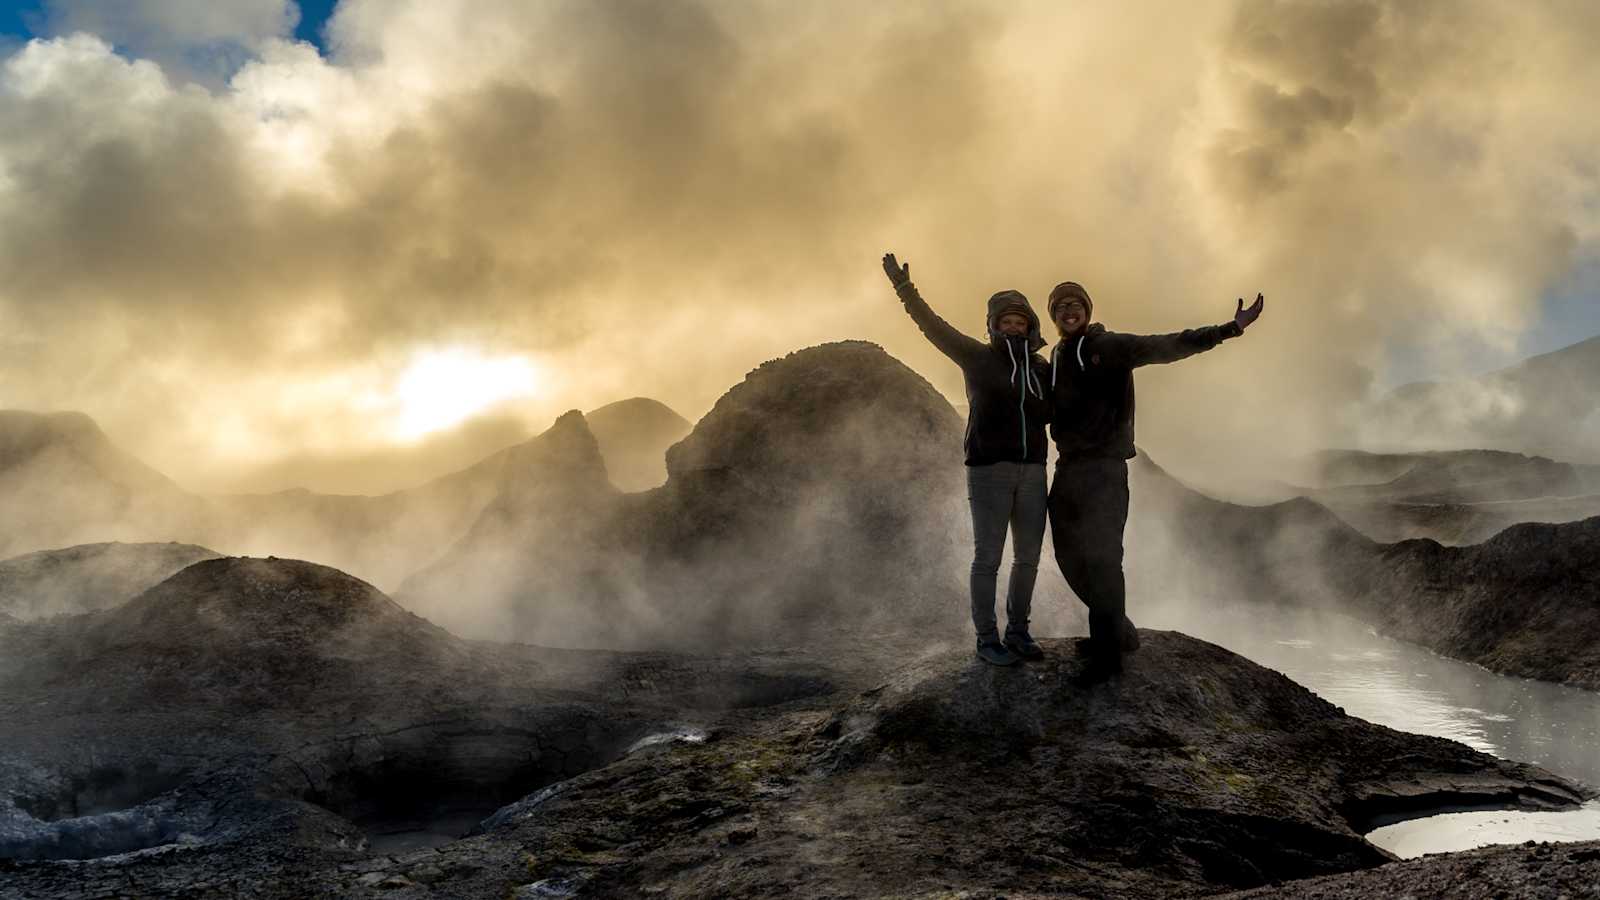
652, 200
200, 40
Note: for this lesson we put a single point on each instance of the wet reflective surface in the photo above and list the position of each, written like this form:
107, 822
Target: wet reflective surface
1410, 689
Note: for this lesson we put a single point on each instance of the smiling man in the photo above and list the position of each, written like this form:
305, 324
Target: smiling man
1091, 387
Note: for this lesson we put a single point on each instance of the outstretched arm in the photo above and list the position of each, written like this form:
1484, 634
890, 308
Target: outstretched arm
1133, 350
940, 333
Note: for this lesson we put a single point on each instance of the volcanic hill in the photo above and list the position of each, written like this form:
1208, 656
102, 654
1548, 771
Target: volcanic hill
836, 466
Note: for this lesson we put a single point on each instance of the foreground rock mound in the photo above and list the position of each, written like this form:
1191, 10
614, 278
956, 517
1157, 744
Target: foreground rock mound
286, 705
1193, 772
88, 577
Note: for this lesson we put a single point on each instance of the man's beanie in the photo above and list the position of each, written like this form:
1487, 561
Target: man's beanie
1069, 290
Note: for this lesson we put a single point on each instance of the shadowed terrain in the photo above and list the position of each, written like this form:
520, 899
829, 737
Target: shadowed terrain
1195, 771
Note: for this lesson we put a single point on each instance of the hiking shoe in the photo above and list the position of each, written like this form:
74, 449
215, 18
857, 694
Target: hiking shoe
1129, 635
1023, 645
1099, 667
996, 654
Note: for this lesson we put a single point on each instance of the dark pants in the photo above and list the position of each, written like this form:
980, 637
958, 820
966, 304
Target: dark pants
1005, 495
1088, 510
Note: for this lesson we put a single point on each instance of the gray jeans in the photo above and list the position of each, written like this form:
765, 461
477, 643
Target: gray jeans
1001, 495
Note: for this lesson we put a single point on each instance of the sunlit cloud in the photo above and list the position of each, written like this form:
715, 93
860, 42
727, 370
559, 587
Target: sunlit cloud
714, 182
445, 387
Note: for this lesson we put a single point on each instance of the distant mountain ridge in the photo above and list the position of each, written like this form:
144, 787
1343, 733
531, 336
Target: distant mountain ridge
88, 577
64, 483
1547, 405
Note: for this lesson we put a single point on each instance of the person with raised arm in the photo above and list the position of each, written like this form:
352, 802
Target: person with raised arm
1091, 389
1008, 409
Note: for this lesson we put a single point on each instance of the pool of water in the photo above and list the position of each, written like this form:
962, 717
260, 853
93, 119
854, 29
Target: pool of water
1411, 689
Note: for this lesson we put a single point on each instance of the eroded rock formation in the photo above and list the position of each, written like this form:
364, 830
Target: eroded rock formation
823, 494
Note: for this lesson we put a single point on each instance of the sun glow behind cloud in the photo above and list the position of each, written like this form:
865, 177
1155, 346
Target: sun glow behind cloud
443, 387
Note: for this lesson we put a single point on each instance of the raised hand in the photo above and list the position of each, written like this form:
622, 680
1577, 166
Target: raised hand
1243, 316
897, 273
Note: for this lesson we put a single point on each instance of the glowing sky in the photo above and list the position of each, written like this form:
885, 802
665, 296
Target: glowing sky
241, 233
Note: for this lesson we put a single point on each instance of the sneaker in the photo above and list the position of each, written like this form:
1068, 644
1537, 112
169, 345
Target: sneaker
1129, 635
1023, 645
996, 653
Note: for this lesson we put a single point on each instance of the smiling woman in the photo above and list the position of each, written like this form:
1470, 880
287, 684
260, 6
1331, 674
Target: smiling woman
444, 387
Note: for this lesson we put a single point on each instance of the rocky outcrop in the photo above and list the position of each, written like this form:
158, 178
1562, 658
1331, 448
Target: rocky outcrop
88, 577
1195, 771
1521, 603
246, 700
822, 493
1526, 602
543, 562
634, 435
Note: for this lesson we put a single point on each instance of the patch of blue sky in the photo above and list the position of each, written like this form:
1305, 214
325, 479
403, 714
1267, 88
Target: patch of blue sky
21, 20
1568, 314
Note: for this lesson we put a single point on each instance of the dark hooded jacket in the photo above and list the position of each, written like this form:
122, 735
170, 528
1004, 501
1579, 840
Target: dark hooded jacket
1007, 393
1091, 384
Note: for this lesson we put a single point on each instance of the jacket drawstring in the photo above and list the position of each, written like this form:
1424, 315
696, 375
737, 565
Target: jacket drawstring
1022, 392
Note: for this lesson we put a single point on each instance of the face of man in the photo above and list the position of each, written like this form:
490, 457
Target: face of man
1012, 325
1071, 317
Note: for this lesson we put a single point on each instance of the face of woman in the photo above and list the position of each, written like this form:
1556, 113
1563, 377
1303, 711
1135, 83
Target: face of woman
1012, 325
1071, 317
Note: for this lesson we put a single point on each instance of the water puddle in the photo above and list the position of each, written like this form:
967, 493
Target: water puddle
1476, 828
1407, 688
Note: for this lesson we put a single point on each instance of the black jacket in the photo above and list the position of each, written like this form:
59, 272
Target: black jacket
1007, 391
1091, 381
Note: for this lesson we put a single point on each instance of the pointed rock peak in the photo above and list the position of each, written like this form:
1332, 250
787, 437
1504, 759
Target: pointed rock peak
567, 449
